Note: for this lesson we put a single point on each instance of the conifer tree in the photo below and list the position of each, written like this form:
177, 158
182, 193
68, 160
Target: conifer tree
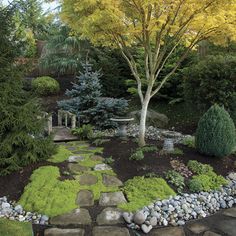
21, 129
87, 103
215, 134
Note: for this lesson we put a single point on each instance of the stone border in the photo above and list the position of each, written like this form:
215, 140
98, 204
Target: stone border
176, 211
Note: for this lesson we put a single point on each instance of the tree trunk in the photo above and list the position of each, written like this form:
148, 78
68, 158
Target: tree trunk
142, 125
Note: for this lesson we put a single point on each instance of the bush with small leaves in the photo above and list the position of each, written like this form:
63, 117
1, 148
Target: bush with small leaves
84, 132
215, 134
109, 160
45, 85
199, 168
206, 182
137, 155
173, 177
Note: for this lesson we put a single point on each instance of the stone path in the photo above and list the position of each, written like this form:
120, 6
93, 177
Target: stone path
103, 218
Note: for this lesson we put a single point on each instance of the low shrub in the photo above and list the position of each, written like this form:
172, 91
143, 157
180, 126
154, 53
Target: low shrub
142, 191
137, 155
149, 149
199, 168
206, 182
45, 85
215, 135
84, 132
176, 179
109, 160
189, 142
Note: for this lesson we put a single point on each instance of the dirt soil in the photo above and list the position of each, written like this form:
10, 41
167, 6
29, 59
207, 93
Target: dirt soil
156, 163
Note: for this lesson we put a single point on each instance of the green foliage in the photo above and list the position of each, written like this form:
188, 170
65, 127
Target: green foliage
109, 160
151, 175
15, 228
22, 139
45, 184
208, 80
86, 101
99, 141
46, 194
215, 135
173, 177
142, 191
88, 162
137, 155
189, 142
151, 148
84, 132
206, 182
177, 151
62, 155
199, 168
45, 85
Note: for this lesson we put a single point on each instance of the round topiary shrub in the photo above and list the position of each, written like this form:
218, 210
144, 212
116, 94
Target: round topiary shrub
215, 134
45, 85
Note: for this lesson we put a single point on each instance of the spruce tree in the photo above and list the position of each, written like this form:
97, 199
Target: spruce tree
215, 134
21, 129
86, 101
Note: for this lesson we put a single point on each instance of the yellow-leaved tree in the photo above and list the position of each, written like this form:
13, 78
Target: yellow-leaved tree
155, 26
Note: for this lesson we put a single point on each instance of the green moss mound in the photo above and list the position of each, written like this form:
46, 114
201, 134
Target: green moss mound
206, 182
142, 191
48, 195
62, 155
215, 134
15, 228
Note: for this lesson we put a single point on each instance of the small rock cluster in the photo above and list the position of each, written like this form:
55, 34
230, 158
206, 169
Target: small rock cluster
152, 133
177, 210
16, 212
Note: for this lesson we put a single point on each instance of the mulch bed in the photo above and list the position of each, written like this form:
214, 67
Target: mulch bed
12, 185
156, 163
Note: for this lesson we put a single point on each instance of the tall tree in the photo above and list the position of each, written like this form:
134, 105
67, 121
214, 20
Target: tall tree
21, 130
152, 25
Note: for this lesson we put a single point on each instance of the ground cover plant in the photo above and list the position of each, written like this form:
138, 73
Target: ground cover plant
10, 228
142, 191
47, 192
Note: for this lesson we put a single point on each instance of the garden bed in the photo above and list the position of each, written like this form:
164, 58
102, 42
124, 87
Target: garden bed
156, 163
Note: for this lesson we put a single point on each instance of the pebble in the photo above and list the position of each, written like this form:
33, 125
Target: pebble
12, 211
178, 210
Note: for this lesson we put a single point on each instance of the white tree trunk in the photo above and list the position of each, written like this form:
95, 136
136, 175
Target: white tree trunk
142, 125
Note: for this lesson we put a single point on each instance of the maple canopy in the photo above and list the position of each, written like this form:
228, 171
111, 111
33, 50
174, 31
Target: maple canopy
111, 22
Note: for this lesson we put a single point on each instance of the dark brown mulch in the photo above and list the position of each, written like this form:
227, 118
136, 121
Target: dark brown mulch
156, 163
12, 185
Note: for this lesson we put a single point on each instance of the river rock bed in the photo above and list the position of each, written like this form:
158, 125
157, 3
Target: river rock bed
11, 211
176, 211
152, 133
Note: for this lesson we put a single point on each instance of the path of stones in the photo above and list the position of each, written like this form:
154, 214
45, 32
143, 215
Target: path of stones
103, 218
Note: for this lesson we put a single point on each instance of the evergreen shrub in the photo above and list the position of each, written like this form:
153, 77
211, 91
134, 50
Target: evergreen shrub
45, 85
215, 135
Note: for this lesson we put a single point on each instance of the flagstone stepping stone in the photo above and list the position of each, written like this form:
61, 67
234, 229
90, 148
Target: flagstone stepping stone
82, 152
110, 231
110, 216
112, 199
75, 168
77, 217
110, 181
96, 158
230, 212
227, 226
168, 231
198, 228
71, 148
210, 233
88, 179
102, 167
75, 158
63, 232
85, 198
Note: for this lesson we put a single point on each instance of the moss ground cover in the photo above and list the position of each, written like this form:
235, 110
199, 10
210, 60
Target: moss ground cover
62, 154
47, 194
14, 228
142, 191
